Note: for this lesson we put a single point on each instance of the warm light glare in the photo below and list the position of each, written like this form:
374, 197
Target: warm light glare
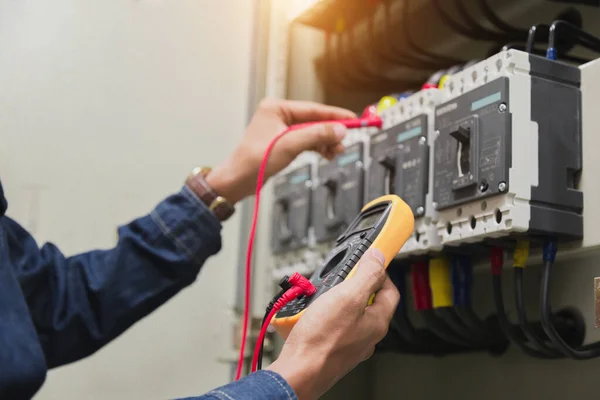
297, 7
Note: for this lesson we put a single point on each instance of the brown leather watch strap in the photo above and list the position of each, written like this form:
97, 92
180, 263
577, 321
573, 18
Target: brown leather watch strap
218, 205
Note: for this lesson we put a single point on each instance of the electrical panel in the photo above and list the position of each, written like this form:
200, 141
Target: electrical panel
508, 154
292, 241
399, 164
338, 197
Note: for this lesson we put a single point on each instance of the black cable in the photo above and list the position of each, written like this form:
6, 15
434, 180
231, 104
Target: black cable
533, 340
482, 31
584, 38
395, 54
497, 22
419, 340
414, 46
442, 330
513, 335
534, 32
582, 353
448, 315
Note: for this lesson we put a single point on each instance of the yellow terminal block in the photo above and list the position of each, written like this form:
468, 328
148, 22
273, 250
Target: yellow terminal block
521, 254
385, 103
440, 282
442, 81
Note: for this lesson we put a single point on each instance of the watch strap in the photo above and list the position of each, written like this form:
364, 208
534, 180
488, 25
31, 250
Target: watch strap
218, 205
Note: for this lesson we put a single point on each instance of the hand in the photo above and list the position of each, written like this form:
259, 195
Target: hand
235, 178
338, 331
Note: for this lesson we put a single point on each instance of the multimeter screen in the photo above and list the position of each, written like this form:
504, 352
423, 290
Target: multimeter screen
368, 221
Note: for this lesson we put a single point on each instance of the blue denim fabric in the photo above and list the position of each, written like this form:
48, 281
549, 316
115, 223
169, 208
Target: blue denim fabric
262, 385
55, 309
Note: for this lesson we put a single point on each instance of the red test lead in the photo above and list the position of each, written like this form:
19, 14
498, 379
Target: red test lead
370, 121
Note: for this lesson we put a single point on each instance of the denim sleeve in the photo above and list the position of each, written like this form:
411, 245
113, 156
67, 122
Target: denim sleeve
261, 385
80, 303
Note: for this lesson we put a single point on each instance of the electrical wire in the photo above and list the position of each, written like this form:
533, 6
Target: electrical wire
513, 334
482, 31
398, 55
582, 353
521, 254
584, 38
300, 287
414, 46
498, 22
350, 124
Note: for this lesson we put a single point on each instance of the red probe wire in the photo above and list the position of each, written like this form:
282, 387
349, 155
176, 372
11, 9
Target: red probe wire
369, 121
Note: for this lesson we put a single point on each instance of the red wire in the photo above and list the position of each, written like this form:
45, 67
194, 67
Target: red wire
261, 336
350, 124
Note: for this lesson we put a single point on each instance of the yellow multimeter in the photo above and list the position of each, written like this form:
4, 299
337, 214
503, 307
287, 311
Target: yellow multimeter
384, 223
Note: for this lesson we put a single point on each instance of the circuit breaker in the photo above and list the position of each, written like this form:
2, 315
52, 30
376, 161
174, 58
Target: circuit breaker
399, 164
338, 198
507, 155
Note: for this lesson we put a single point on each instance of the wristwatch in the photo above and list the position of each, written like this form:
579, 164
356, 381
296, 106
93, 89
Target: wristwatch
218, 205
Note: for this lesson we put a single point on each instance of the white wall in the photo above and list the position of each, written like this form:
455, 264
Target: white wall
105, 105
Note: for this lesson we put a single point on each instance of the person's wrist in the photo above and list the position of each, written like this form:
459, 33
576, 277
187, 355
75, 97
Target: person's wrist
229, 182
302, 373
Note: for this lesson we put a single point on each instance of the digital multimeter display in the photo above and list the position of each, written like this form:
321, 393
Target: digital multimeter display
368, 221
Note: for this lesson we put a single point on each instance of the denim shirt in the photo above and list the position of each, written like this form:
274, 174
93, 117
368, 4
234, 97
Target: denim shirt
55, 310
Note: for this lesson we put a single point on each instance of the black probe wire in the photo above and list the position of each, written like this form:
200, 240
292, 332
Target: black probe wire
533, 340
513, 335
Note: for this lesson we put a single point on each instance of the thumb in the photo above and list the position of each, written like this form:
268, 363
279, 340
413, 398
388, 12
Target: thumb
370, 274
317, 137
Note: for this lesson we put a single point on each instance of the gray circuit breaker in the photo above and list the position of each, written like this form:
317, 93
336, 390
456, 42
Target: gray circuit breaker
507, 155
399, 164
338, 196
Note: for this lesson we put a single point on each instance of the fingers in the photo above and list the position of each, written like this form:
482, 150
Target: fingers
305, 111
370, 275
386, 301
323, 138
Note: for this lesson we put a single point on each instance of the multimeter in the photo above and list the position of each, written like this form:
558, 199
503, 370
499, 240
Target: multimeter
384, 223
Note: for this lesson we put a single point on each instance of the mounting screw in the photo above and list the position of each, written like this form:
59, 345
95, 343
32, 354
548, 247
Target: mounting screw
502, 107
422, 140
420, 211
437, 133
358, 165
308, 183
502, 187
483, 186
434, 205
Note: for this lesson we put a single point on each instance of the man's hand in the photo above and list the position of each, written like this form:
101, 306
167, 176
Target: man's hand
235, 178
338, 331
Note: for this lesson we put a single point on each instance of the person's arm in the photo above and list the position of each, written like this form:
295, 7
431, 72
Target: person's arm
80, 303
336, 333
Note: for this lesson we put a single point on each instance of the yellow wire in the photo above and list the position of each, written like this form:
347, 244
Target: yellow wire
521, 254
440, 282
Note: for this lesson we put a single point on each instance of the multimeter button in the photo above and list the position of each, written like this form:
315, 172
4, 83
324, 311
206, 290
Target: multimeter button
338, 279
363, 235
343, 274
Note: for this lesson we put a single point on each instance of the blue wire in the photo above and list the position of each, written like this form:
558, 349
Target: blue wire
461, 274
